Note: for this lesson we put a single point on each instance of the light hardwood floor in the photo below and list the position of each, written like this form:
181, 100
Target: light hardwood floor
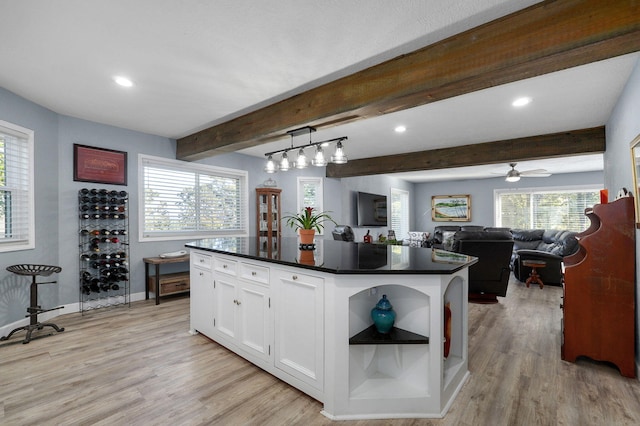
140, 366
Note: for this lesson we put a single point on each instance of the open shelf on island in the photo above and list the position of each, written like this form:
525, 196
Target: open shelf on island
396, 336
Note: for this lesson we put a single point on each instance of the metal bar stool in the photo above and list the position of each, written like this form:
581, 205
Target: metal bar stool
34, 309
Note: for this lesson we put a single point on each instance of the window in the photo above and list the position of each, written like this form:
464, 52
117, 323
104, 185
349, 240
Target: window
545, 209
310, 194
189, 200
17, 222
400, 213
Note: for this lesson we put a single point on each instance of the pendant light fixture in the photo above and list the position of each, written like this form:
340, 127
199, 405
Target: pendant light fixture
339, 157
284, 162
302, 161
271, 166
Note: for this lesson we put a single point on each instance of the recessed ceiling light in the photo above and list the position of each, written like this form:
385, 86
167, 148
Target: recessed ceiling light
123, 81
400, 129
520, 102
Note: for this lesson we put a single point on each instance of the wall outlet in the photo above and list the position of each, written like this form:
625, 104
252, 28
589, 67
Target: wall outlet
373, 291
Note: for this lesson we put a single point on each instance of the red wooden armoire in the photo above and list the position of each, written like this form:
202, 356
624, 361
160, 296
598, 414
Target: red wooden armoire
599, 289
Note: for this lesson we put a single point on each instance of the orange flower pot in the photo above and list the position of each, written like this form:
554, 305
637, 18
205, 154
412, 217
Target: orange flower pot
307, 235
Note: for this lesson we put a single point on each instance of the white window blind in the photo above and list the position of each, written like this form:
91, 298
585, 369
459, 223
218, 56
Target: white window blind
310, 195
400, 213
17, 222
185, 200
545, 209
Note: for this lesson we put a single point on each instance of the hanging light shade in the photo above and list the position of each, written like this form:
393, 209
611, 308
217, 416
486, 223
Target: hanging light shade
284, 162
301, 161
338, 156
271, 166
318, 159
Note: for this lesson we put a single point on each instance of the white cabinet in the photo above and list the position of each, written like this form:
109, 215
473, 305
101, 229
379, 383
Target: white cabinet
202, 297
242, 306
299, 326
305, 327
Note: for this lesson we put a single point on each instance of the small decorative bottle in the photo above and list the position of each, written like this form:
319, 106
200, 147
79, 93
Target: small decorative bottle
383, 315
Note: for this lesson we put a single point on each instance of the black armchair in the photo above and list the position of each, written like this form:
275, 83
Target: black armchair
489, 277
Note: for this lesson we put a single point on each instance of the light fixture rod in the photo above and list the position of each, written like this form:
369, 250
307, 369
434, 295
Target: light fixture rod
340, 139
301, 131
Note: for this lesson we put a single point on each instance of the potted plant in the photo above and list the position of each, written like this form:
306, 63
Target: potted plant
307, 223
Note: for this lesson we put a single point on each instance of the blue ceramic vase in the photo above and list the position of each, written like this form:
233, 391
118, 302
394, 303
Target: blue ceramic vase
383, 315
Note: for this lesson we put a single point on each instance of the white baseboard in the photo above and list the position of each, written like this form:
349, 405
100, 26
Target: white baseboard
66, 309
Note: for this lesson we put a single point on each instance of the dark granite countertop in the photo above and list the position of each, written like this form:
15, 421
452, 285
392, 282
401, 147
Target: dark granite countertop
340, 257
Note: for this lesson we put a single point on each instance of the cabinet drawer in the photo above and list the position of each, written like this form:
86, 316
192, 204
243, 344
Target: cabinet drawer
224, 265
201, 260
171, 283
255, 273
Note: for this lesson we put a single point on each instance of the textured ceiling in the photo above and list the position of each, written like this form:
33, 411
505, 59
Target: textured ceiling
198, 63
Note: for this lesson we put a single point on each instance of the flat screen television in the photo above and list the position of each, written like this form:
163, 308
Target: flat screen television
372, 209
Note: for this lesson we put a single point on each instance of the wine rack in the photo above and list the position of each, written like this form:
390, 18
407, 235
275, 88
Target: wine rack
104, 248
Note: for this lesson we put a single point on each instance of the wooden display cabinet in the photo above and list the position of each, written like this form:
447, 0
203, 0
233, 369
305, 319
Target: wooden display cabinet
268, 226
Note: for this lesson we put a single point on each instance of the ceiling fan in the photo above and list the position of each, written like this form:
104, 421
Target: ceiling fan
514, 175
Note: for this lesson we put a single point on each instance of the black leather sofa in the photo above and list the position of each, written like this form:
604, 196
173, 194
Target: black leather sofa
442, 237
489, 277
549, 246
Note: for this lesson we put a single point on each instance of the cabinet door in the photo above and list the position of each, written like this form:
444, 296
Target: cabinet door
254, 319
299, 332
202, 301
225, 305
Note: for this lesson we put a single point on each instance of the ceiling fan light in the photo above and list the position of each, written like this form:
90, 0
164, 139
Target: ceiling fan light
284, 162
513, 176
270, 167
338, 156
301, 161
318, 159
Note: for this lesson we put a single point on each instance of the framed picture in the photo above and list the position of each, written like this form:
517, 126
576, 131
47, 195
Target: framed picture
99, 165
451, 208
635, 161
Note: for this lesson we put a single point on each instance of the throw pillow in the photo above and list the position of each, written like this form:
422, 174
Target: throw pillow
447, 239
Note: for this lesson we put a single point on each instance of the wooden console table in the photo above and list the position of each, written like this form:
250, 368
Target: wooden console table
158, 279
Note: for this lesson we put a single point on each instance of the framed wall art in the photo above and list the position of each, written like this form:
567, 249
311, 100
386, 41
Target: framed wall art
451, 208
99, 165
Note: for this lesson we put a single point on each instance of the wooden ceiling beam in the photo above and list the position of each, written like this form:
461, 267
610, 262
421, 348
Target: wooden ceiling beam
544, 38
564, 144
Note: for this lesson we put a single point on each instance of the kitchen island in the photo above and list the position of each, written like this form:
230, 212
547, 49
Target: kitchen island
304, 316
